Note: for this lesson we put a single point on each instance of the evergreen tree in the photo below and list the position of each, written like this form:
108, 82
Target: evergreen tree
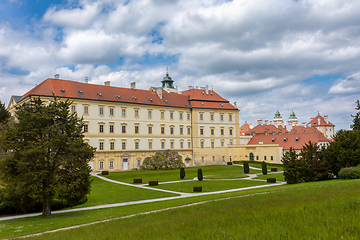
200, 174
246, 167
4, 114
294, 167
356, 120
48, 158
182, 173
264, 168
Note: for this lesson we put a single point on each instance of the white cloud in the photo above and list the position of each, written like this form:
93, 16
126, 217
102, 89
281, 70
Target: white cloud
347, 85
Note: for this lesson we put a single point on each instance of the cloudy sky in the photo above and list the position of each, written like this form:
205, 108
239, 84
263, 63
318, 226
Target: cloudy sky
300, 56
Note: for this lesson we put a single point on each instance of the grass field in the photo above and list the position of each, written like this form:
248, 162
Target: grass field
319, 210
209, 172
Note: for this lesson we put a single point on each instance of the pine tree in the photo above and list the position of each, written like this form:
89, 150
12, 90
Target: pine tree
356, 120
294, 167
48, 159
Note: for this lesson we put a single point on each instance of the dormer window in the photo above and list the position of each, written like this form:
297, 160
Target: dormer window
134, 98
285, 139
273, 140
80, 92
62, 90
99, 94
118, 97
150, 100
297, 139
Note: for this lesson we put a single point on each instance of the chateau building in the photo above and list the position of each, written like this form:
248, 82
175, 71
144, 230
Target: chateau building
126, 125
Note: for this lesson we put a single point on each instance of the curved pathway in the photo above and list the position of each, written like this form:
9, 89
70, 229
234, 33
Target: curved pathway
181, 195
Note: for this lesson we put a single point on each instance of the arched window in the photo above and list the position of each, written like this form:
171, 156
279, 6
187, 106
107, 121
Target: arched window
251, 156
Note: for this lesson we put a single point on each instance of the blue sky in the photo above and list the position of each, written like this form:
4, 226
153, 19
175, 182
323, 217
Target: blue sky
266, 55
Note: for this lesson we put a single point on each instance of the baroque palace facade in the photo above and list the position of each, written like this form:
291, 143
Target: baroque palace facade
126, 125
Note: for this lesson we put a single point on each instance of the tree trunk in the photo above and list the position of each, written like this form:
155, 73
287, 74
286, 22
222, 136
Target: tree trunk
46, 206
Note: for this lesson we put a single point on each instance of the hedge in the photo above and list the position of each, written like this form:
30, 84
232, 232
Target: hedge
197, 188
350, 173
105, 173
271, 180
229, 163
274, 169
153, 182
137, 180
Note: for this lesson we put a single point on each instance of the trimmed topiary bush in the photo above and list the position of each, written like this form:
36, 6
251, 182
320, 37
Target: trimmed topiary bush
153, 182
274, 169
182, 173
350, 173
200, 174
271, 180
264, 168
246, 167
105, 173
229, 163
137, 180
197, 188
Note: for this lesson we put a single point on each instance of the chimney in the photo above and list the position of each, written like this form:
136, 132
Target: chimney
86, 80
159, 92
319, 121
57, 76
107, 83
288, 126
266, 122
260, 122
133, 84
207, 90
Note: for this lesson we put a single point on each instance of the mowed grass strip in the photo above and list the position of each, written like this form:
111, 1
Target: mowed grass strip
210, 172
209, 185
103, 192
325, 210
278, 176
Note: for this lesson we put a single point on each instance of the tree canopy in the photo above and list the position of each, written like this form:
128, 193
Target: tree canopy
163, 160
47, 158
356, 121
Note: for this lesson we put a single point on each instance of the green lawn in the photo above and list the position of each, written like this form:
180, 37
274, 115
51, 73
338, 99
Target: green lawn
278, 176
209, 172
103, 192
318, 210
210, 185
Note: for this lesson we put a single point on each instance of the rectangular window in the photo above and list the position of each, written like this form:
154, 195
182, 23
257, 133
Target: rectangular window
136, 129
112, 145
149, 114
202, 159
111, 112
213, 158
136, 145
162, 130
101, 165
111, 165
222, 143
111, 128
264, 158
123, 129
212, 117
123, 112
201, 131
231, 143
73, 108
86, 128
202, 144
212, 131
181, 144
188, 116
181, 116
150, 145
86, 110
101, 111
138, 162
123, 145
171, 130
150, 129
162, 145
188, 130
171, 115
171, 145
272, 158
101, 145
101, 128
222, 117
257, 157
181, 130
189, 144
136, 113
222, 132
162, 115
212, 144
201, 116
230, 132
230, 117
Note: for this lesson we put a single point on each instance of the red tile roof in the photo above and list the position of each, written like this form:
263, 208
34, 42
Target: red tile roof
244, 128
265, 129
319, 121
78, 90
302, 129
294, 140
198, 98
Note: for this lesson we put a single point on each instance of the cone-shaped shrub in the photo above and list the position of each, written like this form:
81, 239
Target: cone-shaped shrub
182, 173
264, 169
200, 174
246, 167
